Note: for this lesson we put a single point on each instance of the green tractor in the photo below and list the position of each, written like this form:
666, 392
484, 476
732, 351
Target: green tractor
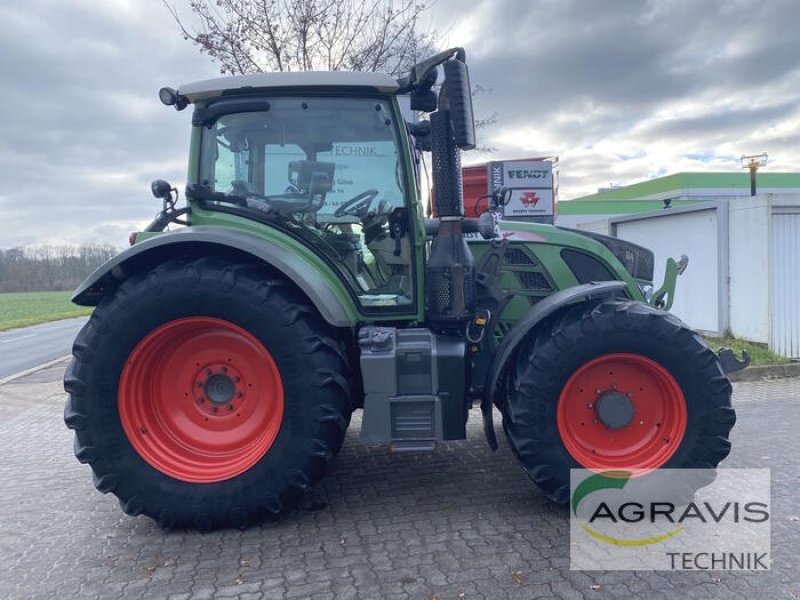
215, 380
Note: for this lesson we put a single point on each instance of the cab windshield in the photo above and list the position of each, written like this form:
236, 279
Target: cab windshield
330, 170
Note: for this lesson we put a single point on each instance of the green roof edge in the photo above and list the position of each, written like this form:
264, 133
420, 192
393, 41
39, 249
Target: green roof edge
680, 181
613, 207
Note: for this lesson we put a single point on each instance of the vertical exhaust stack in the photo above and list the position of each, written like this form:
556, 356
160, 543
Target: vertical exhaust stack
449, 277
450, 273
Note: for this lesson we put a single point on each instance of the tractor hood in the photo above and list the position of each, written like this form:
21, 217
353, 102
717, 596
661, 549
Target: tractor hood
638, 261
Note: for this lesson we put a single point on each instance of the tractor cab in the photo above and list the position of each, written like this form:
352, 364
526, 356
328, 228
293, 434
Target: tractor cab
325, 158
328, 169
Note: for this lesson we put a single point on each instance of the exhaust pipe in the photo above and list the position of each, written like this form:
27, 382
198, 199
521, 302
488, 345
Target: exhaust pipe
449, 278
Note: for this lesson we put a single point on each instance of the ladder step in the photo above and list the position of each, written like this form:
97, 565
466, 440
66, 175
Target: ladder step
412, 445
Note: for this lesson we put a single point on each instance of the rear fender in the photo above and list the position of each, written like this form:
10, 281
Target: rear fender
512, 341
323, 289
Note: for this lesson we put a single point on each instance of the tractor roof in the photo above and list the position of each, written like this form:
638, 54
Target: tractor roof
210, 88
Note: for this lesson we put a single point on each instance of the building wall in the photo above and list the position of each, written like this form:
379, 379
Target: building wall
669, 234
785, 276
585, 221
744, 265
749, 268
600, 226
681, 189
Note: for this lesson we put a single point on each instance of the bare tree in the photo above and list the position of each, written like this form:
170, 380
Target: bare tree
48, 268
254, 36
251, 36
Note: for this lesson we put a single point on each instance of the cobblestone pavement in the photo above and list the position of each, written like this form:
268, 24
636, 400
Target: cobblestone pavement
460, 522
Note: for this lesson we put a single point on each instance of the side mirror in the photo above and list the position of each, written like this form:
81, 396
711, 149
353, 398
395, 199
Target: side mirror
161, 189
421, 131
423, 97
459, 94
423, 100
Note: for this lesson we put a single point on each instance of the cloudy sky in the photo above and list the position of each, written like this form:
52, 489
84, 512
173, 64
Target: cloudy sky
621, 90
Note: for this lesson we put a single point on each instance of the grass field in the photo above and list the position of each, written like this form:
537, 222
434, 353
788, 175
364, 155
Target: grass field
19, 310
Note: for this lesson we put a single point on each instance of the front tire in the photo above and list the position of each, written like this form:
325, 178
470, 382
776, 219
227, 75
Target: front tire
615, 385
207, 394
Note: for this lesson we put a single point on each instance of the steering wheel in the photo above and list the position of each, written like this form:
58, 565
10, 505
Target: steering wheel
357, 205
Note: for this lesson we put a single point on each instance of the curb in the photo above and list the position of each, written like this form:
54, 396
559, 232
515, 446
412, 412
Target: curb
766, 372
14, 376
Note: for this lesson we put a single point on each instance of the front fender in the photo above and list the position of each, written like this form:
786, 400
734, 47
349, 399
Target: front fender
520, 331
323, 289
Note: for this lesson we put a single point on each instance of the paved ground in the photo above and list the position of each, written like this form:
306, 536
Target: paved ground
460, 522
32, 346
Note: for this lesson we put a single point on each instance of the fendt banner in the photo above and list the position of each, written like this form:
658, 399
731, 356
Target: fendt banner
533, 193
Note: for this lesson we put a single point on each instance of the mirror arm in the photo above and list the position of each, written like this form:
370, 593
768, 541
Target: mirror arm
420, 70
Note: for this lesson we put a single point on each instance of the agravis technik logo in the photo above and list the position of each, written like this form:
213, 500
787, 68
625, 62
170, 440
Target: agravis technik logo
612, 480
670, 519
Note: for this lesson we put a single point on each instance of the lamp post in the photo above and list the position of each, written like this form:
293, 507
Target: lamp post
754, 162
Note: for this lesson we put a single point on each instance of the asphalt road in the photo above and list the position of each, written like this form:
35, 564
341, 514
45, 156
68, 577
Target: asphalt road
28, 347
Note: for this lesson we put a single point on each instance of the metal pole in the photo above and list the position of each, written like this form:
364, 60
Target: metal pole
753, 169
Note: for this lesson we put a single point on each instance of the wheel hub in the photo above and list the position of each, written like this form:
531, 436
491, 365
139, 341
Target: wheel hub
220, 388
614, 410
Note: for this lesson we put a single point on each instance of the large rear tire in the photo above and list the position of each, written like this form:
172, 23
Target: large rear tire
615, 385
207, 394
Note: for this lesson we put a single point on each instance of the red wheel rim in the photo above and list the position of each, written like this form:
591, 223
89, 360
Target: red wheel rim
200, 399
650, 436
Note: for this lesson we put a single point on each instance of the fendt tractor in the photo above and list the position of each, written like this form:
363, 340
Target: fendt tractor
215, 380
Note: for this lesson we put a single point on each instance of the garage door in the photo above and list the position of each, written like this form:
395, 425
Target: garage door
785, 282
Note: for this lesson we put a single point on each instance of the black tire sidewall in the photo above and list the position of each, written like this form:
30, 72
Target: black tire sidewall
581, 335
269, 315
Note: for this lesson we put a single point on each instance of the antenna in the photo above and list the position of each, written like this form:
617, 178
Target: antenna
754, 162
